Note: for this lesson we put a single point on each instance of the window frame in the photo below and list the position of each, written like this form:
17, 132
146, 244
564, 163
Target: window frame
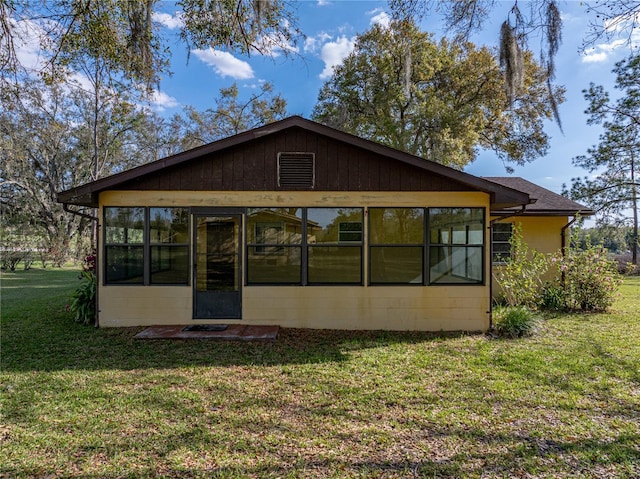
281, 250
365, 246
170, 246
338, 243
109, 246
450, 245
146, 246
507, 256
372, 246
305, 248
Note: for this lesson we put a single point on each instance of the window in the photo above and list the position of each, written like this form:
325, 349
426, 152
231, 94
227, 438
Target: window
304, 245
456, 245
334, 245
396, 245
146, 245
350, 232
324, 246
124, 245
269, 233
501, 242
169, 239
274, 245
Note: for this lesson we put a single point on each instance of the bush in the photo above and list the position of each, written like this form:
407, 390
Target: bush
591, 279
83, 300
514, 321
521, 278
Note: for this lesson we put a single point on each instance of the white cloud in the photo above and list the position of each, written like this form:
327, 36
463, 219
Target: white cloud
312, 44
273, 43
80, 80
170, 21
322, 3
594, 57
621, 27
28, 35
225, 64
333, 53
161, 101
602, 52
379, 17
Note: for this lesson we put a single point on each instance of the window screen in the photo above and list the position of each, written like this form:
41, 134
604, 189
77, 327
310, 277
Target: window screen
396, 245
456, 249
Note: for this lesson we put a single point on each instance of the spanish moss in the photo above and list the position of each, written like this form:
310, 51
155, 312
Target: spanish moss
511, 60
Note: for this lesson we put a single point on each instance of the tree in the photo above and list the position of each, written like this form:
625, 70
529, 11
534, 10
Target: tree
439, 101
123, 32
48, 138
613, 238
615, 190
37, 130
46, 143
468, 16
542, 20
614, 19
229, 116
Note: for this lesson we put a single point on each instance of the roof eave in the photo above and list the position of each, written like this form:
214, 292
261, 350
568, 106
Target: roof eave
534, 212
74, 197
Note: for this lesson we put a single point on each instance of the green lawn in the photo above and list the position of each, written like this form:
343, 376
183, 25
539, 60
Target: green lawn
81, 402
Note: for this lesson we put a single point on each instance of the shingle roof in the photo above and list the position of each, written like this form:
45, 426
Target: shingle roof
547, 202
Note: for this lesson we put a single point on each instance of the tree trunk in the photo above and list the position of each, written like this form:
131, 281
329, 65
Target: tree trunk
634, 207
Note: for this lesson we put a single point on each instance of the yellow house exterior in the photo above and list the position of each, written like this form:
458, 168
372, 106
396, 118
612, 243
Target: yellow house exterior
298, 225
364, 306
544, 224
542, 233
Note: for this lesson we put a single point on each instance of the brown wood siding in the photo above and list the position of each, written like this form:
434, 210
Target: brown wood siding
252, 166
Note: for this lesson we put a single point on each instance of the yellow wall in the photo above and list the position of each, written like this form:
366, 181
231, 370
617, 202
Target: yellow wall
428, 308
542, 233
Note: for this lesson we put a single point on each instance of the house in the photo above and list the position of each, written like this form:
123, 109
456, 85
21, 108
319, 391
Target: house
299, 225
544, 223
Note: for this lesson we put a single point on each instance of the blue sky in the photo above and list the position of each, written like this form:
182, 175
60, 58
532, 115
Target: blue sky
331, 26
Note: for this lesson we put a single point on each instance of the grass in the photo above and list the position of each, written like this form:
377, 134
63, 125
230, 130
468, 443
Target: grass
83, 402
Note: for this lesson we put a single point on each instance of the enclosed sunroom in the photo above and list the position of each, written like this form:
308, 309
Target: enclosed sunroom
298, 225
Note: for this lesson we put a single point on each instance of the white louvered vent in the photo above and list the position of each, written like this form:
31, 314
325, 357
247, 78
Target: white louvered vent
296, 170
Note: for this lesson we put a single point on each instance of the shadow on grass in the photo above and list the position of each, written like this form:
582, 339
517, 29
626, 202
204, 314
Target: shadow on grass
56, 343
38, 334
479, 453
517, 454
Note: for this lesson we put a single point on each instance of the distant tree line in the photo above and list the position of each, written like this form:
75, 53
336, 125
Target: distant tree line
51, 140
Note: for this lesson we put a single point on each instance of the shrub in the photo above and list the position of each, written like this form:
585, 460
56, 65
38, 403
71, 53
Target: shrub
83, 300
514, 321
522, 276
591, 279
